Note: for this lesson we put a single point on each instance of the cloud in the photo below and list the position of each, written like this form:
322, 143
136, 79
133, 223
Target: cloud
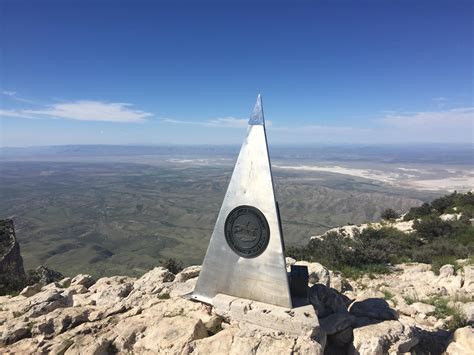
319, 129
440, 99
84, 111
224, 122
453, 118
12, 95
14, 113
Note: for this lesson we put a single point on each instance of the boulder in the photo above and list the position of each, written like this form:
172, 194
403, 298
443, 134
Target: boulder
151, 281
14, 331
108, 291
237, 341
83, 280
374, 308
47, 301
462, 343
468, 285
423, 308
188, 273
182, 288
342, 338
446, 270
339, 283
29, 291
468, 310
382, 338
336, 322
170, 335
327, 301
317, 273
289, 261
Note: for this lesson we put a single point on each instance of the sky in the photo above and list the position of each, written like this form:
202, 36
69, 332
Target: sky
188, 72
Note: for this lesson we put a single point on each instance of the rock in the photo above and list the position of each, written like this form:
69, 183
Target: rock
60, 320
468, 286
182, 288
446, 270
188, 273
236, 341
152, 281
83, 280
317, 273
89, 345
12, 273
336, 322
342, 338
297, 321
327, 301
423, 308
14, 331
29, 291
375, 308
170, 335
462, 343
339, 283
382, 338
289, 261
44, 275
47, 301
108, 291
65, 282
468, 310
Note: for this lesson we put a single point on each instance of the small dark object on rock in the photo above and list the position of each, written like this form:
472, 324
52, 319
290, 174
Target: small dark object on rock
172, 265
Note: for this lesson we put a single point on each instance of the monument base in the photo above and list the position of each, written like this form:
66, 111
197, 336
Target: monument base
301, 321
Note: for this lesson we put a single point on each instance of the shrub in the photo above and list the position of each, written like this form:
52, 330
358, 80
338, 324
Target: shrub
389, 214
172, 265
417, 212
432, 227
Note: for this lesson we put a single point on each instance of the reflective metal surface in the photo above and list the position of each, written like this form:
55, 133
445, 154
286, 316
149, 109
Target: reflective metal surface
263, 277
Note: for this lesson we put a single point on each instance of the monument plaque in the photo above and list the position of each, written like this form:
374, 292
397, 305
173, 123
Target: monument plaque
246, 231
245, 257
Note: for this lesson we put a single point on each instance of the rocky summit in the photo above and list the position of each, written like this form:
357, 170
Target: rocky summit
405, 311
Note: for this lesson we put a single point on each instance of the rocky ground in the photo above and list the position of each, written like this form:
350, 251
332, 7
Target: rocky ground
410, 310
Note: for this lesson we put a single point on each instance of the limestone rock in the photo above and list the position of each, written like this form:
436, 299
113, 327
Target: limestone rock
84, 280
289, 261
152, 280
336, 322
297, 321
468, 286
29, 291
14, 331
463, 342
446, 270
423, 308
170, 335
327, 301
182, 288
468, 310
384, 337
108, 291
375, 308
317, 273
188, 273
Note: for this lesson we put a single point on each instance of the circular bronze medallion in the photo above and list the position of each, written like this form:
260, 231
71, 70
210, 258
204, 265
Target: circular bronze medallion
246, 231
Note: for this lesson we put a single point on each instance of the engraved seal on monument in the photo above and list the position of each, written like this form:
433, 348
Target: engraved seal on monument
246, 231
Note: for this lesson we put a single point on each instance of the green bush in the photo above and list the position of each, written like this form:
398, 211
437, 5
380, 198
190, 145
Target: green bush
389, 214
172, 265
433, 241
417, 212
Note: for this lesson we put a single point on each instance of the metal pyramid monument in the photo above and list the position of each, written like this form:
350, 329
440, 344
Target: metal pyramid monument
245, 257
